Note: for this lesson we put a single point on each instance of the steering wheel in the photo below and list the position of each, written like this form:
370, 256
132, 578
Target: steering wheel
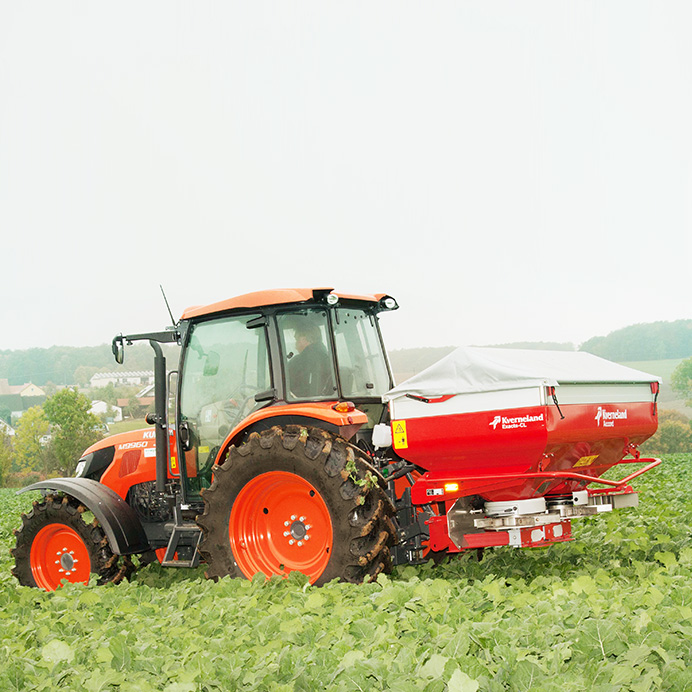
235, 405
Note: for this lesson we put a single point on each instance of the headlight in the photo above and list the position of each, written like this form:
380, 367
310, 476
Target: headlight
388, 303
79, 471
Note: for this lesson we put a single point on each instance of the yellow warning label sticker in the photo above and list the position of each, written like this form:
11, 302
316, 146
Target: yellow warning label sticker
203, 450
586, 461
174, 464
399, 437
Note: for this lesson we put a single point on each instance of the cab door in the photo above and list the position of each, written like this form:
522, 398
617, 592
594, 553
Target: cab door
225, 364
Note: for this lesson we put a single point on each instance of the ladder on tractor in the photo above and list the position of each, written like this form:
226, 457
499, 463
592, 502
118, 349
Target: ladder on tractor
182, 529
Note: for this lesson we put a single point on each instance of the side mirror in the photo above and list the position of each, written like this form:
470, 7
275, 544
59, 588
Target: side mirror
211, 366
118, 347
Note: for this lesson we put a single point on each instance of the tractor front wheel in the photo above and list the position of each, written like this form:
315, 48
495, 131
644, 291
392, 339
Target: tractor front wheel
54, 543
296, 499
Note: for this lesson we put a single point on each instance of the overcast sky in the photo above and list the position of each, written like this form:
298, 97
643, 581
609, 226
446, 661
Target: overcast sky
509, 171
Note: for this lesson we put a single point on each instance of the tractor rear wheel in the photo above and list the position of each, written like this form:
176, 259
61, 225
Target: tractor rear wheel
54, 543
296, 499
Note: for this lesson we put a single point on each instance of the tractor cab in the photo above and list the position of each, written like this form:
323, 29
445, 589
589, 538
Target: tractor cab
272, 357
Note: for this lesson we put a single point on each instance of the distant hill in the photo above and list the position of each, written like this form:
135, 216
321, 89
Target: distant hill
58, 364
643, 342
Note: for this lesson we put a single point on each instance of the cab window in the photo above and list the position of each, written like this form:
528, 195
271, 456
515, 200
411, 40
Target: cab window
307, 357
362, 366
226, 365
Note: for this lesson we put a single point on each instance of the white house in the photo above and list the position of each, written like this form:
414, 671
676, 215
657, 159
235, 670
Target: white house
99, 408
135, 378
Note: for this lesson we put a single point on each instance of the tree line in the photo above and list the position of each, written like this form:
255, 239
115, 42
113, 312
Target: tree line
49, 439
651, 341
66, 365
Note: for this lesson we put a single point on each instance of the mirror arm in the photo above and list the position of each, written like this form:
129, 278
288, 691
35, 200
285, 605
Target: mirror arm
170, 336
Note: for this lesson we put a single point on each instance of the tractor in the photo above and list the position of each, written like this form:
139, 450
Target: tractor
281, 444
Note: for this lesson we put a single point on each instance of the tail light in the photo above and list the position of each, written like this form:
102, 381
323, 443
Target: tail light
344, 407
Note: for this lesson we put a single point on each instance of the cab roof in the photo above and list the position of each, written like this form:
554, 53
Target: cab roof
278, 296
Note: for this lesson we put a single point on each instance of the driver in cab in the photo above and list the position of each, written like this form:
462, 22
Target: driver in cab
309, 371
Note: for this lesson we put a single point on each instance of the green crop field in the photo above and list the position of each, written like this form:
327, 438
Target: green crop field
610, 611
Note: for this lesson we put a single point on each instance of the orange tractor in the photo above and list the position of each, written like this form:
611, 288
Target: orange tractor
281, 444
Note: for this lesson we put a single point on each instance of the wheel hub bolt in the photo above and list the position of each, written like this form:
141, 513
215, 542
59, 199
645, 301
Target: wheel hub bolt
66, 561
297, 530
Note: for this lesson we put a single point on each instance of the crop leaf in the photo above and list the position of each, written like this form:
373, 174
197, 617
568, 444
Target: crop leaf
57, 651
460, 682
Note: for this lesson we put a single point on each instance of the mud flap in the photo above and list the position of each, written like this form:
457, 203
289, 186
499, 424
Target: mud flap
117, 519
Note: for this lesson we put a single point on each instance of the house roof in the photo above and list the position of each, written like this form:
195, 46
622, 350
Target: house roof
7, 388
7, 428
146, 390
142, 401
129, 373
98, 403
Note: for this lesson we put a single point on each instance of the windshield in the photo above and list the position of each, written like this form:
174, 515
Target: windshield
226, 364
362, 365
309, 362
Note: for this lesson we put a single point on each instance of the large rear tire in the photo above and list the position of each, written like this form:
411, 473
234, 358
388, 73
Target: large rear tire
296, 499
54, 543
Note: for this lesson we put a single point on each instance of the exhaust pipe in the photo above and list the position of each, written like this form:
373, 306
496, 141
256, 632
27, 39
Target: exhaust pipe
161, 428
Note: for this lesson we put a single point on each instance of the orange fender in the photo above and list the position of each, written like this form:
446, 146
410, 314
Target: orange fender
346, 423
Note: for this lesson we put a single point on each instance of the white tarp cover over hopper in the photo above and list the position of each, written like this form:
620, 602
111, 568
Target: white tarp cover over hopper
470, 370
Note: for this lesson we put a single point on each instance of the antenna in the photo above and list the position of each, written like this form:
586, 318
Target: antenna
167, 305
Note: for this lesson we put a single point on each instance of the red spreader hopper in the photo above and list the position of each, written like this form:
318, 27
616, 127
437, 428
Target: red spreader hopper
507, 443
